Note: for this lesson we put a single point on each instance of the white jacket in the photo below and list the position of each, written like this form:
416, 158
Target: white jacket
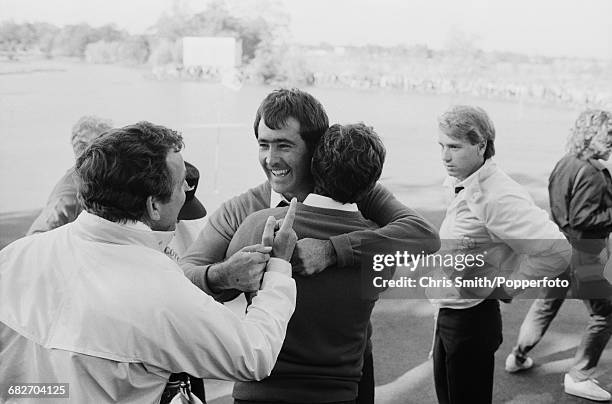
494, 216
98, 305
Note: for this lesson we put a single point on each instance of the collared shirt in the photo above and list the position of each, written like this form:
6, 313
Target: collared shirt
99, 305
325, 202
276, 198
313, 199
494, 216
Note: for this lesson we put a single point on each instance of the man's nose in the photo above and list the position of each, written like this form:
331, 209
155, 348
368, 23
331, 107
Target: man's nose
272, 156
446, 156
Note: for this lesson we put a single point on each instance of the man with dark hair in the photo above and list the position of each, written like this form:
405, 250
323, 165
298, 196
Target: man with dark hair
287, 125
322, 357
580, 191
62, 205
98, 305
493, 217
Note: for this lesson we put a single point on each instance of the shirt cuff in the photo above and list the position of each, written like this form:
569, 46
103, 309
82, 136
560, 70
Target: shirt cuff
279, 265
344, 250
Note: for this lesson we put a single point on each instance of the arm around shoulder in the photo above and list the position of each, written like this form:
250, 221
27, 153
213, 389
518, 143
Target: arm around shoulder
400, 225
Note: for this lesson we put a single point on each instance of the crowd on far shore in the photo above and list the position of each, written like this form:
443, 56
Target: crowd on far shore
558, 92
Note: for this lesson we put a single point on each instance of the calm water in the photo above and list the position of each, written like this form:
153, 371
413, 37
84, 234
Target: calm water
38, 109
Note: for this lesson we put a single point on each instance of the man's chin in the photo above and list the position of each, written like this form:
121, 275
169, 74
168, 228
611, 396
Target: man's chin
277, 186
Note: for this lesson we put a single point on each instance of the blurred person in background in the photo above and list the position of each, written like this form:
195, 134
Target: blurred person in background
62, 205
580, 194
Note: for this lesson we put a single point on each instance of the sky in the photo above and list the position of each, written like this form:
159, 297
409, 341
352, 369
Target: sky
575, 28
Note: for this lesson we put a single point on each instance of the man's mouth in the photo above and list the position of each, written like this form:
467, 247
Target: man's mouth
280, 173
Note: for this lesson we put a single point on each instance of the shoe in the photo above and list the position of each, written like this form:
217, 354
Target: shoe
513, 364
588, 389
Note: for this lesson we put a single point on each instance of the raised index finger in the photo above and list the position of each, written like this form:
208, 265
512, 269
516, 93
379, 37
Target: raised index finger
267, 238
290, 216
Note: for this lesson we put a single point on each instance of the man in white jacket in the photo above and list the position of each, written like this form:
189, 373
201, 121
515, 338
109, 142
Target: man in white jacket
98, 305
493, 231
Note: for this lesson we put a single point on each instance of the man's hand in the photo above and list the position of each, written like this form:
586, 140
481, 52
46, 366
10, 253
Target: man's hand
283, 241
312, 256
242, 271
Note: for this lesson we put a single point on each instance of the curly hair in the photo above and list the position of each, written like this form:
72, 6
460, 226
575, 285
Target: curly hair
473, 124
347, 162
282, 104
121, 169
591, 124
86, 129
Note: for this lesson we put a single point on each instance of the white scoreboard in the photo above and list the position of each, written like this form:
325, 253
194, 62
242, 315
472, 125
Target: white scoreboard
220, 52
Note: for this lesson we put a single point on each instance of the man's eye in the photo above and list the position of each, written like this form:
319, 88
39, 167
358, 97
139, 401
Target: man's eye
263, 146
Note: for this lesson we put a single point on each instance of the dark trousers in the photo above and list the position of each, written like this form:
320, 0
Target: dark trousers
365, 392
464, 353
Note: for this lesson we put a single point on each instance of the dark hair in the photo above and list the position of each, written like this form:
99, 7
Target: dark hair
123, 167
347, 162
469, 123
282, 104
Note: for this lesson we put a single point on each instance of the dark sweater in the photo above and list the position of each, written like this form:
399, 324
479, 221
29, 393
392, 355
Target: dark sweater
322, 356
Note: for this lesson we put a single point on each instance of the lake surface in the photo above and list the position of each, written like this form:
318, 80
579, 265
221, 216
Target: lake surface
40, 102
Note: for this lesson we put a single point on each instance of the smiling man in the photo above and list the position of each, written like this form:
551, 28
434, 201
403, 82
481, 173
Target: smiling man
492, 215
284, 157
288, 125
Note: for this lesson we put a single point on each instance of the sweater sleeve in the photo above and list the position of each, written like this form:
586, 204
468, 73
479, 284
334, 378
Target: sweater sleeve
210, 247
213, 241
399, 225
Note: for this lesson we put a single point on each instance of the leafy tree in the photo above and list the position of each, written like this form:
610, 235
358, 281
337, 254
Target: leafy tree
134, 50
73, 39
16, 37
45, 33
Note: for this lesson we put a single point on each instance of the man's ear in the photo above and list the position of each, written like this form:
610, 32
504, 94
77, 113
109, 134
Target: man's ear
482, 147
153, 209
